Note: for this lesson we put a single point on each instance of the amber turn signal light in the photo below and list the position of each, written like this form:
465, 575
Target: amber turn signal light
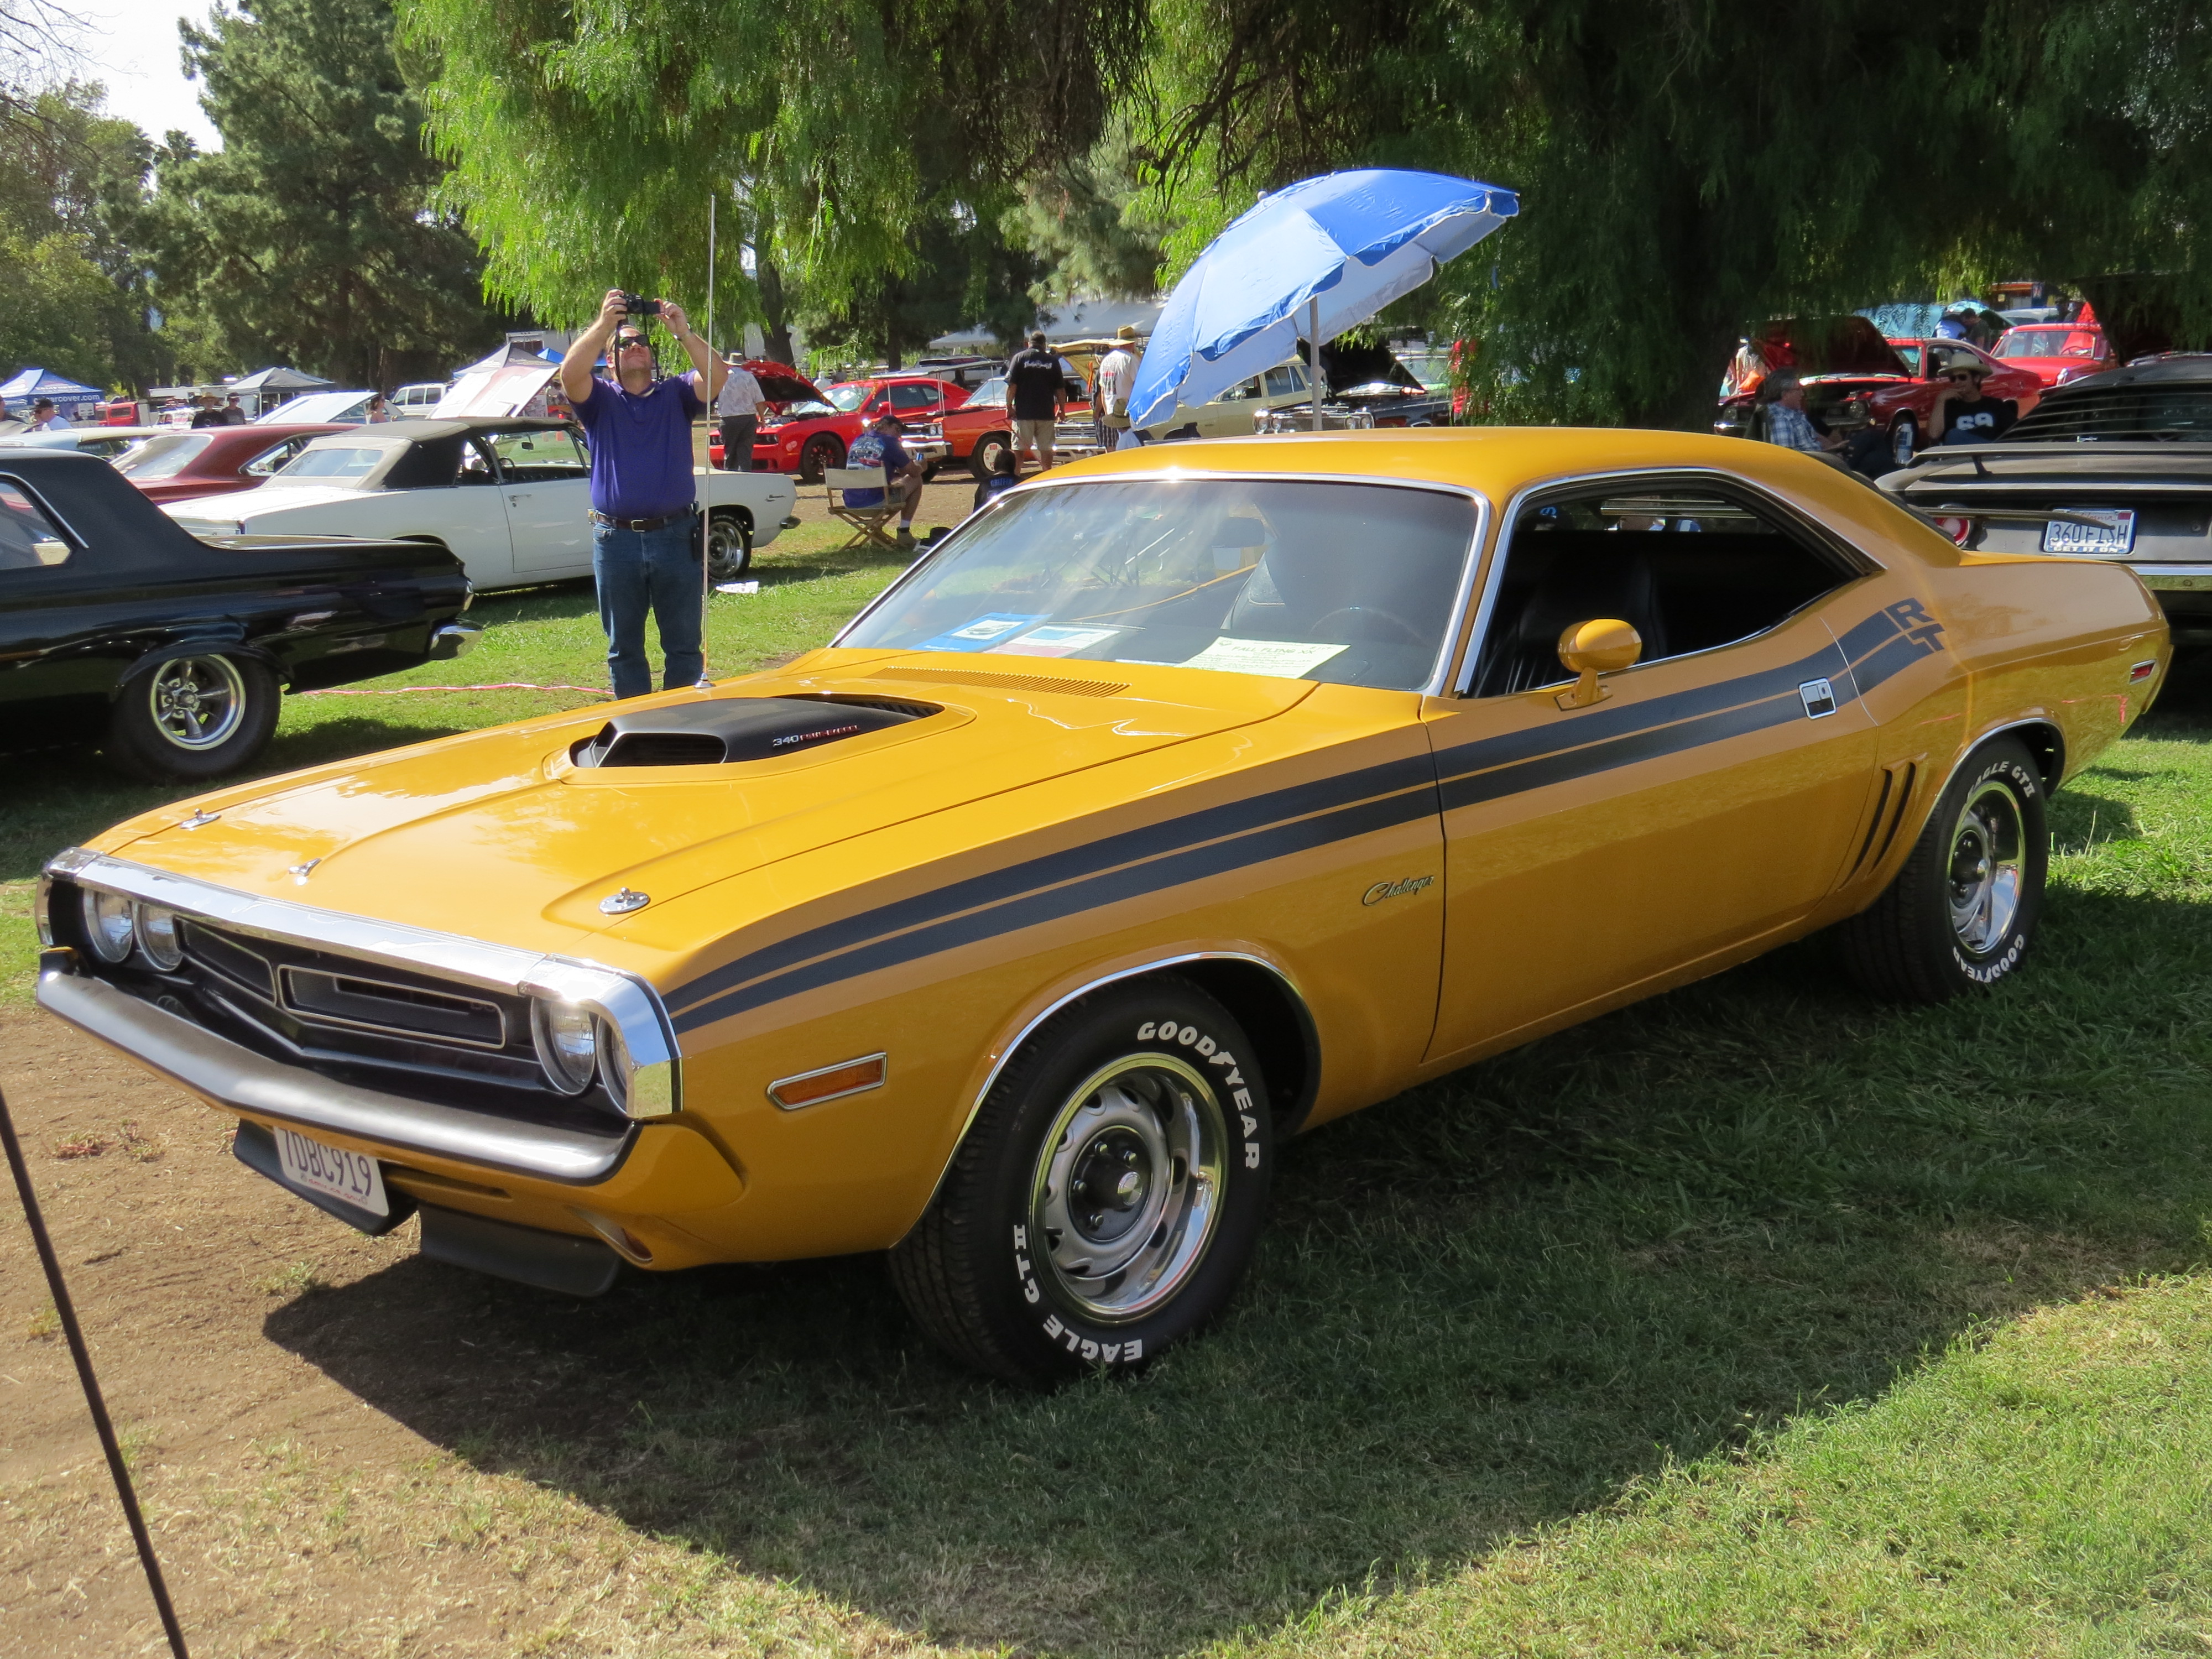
847, 1076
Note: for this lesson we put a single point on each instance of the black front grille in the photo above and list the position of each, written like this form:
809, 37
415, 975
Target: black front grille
379, 1005
243, 967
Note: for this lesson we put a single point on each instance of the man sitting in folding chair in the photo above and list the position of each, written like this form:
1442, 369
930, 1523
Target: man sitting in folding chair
878, 453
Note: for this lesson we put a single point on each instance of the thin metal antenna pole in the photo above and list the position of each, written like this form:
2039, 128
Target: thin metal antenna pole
707, 513
67, 1310
1313, 356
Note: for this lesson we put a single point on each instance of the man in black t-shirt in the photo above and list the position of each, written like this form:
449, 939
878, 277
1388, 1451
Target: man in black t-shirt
1034, 395
1961, 415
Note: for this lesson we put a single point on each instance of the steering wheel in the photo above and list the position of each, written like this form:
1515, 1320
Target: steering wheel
1408, 633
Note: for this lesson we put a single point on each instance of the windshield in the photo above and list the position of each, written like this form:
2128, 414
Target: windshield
1347, 584
2048, 342
992, 394
163, 457
847, 399
2166, 413
333, 464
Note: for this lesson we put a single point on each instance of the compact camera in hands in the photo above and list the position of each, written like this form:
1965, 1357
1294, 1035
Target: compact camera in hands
638, 306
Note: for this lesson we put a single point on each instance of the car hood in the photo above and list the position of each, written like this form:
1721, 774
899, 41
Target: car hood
500, 834
1827, 345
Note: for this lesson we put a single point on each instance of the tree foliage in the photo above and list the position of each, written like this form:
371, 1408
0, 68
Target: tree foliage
1688, 165
310, 238
857, 137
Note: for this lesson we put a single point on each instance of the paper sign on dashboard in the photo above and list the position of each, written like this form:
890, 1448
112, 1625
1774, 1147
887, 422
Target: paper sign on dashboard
1054, 641
981, 634
1283, 659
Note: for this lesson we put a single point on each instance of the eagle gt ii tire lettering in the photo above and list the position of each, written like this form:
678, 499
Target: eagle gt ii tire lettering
1962, 910
1107, 1196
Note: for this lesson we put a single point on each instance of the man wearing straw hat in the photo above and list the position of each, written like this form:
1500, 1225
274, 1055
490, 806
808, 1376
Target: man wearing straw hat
1117, 377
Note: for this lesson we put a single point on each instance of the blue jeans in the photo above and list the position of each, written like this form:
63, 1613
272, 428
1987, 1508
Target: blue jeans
659, 570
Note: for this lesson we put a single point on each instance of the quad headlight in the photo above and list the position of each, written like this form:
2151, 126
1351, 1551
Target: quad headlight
568, 1041
158, 938
109, 924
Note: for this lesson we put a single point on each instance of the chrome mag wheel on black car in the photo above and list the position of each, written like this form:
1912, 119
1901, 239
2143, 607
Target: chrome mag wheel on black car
1961, 911
195, 716
1108, 1194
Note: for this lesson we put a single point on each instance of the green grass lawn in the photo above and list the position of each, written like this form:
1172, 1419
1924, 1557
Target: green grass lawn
1758, 1319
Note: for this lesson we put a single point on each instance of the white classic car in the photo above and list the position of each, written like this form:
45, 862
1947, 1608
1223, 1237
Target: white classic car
507, 496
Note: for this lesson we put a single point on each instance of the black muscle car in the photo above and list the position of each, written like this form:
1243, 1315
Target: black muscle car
119, 628
2117, 466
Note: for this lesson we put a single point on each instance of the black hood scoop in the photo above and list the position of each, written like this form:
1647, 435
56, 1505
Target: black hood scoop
727, 729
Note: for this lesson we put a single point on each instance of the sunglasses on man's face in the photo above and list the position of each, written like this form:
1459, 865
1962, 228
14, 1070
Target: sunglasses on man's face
623, 343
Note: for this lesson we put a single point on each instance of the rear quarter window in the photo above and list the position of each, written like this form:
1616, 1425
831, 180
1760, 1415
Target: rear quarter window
29, 538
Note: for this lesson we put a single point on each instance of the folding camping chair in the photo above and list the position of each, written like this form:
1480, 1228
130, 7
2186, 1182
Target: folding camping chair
867, 522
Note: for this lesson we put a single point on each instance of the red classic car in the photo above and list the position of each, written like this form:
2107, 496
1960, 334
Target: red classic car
808, 429
214, 460
1854, 379
2056, 353
978, 430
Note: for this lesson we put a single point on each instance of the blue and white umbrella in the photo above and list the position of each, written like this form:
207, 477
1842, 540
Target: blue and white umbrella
1324, 254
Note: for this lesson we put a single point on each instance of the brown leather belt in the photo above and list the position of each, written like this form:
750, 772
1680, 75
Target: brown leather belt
598, 517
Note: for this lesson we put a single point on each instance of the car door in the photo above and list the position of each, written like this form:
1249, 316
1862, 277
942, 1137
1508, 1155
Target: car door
546, 477
1710, 798
1229, 416
453, 495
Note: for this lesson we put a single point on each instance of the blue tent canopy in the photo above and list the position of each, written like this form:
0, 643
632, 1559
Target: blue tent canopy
33, 384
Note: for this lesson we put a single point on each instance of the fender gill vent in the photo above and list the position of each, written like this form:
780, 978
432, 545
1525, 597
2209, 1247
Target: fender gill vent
734, 729
1065, 687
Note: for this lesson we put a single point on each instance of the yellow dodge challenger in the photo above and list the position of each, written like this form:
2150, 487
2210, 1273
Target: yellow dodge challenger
1183, 800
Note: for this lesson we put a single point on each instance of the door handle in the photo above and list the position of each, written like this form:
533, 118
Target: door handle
515, 501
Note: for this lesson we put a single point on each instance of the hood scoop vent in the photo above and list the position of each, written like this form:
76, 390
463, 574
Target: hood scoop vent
731, 729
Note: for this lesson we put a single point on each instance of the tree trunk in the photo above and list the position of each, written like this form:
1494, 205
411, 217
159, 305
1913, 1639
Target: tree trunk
776, 335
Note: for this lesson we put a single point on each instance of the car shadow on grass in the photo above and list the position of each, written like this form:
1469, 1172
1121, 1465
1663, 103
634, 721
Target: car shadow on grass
1485, 1305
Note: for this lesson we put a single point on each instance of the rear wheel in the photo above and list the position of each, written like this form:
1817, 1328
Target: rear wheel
729, 544
983, 459
1961, 911
1107, 1196
193, 716
821, 453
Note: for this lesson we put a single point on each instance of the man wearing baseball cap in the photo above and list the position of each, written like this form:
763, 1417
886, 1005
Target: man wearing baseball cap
879, 446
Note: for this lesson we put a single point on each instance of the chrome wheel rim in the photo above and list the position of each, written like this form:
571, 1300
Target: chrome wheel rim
726, 547
1986, 871
197, 702
1126, 1193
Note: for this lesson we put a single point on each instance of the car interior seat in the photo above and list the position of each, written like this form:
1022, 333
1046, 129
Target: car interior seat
1577, 577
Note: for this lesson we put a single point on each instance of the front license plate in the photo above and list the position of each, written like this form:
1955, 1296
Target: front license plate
2113, 539
331, 1170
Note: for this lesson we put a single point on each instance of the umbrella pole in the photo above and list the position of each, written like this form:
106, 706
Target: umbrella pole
1313, 356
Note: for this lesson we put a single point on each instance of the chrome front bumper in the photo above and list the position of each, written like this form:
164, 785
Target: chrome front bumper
237, 1078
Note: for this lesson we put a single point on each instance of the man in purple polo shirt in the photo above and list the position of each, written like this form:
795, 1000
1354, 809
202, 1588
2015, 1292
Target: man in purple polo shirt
646, 549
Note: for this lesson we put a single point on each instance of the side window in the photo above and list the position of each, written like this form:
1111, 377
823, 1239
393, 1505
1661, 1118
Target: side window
476, 463
28, 538
1285, 381
1688, 566
907, 398
537, 457
268, 460
1241, 393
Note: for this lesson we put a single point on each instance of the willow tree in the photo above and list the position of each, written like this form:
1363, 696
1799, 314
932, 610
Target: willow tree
586, 137
1688, 165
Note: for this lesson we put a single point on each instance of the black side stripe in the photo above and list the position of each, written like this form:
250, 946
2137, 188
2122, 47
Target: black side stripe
1093, 892
1299, 818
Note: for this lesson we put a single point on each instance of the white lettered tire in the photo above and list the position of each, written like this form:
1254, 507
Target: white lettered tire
1108, 1197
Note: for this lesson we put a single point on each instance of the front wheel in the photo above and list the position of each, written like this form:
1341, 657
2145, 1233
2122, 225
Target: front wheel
983, 459
1961, 911
729, 546
1107, 1196
192, 717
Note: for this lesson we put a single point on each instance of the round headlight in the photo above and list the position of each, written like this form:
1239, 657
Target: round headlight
567, 1043
158, 938
107, 924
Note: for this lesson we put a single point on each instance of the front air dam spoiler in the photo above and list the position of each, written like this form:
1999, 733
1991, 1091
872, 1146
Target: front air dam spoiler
239, 1080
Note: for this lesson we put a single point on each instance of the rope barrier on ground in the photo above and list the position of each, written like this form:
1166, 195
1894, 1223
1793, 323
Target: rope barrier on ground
401, 690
